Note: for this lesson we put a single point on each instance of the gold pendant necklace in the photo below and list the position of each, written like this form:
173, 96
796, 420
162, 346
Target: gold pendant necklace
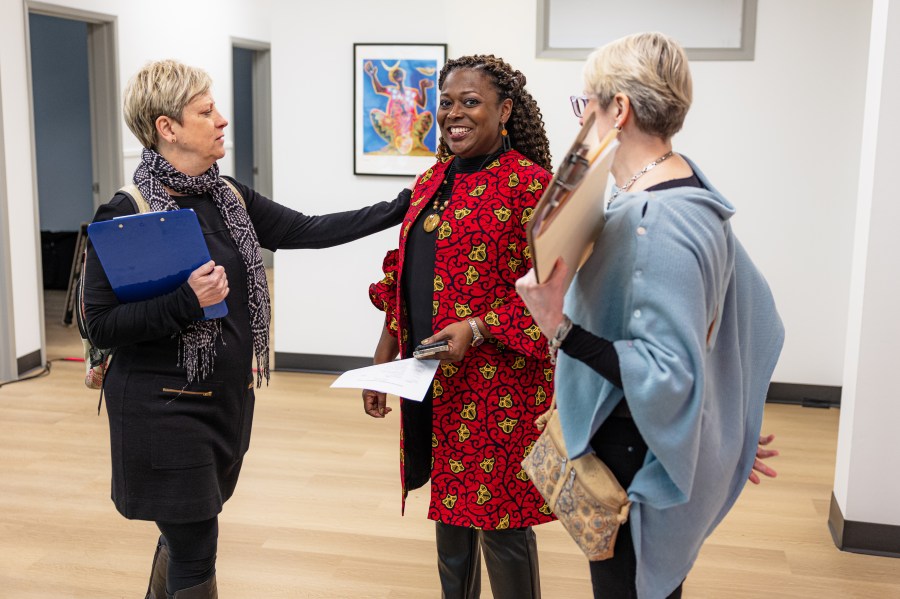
431, 222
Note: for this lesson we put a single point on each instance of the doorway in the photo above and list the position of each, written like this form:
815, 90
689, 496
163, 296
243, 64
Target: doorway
252, 118
75, 113
62, 134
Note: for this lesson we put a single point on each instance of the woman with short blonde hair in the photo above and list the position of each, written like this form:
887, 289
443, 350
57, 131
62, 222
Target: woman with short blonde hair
652, 71
668, 335
161, 88
180, 388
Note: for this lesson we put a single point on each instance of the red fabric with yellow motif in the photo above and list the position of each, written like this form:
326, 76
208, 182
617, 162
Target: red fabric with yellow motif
484, 407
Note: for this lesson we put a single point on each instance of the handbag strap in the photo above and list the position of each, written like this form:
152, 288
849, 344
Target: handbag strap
541, 421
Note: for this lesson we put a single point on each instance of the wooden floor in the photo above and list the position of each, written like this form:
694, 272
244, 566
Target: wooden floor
316, 513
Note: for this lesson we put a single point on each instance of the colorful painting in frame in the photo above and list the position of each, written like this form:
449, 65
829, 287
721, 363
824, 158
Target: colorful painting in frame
395, 107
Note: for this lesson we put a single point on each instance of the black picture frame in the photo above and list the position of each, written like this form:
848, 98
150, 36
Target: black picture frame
395, 107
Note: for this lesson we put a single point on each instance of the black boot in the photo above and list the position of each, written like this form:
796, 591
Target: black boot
157, 587
205, 590
459, 561
512, 563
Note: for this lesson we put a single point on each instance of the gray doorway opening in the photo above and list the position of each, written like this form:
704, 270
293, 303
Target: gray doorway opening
75, 123
62, 135
252, 118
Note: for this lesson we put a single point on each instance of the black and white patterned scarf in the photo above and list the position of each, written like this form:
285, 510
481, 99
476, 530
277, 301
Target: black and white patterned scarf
197, 343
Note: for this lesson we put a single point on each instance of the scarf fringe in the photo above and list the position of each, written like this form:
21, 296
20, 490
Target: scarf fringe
197, 349
262, 368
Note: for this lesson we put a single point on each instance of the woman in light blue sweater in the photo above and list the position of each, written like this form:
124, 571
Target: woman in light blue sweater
667, 336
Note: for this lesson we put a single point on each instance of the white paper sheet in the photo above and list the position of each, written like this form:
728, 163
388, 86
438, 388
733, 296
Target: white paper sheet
409, 378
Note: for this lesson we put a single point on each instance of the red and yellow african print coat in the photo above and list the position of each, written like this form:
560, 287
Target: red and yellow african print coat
483, 407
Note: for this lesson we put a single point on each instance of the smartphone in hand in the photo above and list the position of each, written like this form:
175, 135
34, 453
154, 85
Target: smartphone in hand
423, 350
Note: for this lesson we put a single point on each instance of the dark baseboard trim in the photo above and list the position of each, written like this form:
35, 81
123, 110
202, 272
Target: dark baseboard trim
809, 396
318, 363
862, 537
28, 362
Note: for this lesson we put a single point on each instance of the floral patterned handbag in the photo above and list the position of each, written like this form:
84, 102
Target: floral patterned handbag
583, 494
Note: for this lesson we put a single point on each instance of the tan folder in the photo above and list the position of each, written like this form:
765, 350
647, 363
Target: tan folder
570, 215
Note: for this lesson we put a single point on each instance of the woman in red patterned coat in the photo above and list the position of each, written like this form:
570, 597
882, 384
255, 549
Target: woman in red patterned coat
462, 247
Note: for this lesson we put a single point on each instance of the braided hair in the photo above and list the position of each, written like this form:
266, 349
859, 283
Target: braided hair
525, 124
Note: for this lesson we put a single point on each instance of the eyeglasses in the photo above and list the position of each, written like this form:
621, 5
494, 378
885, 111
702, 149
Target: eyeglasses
579, 103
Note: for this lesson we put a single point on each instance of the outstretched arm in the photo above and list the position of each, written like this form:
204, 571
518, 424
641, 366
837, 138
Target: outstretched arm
423, 85
371, 70
279, 227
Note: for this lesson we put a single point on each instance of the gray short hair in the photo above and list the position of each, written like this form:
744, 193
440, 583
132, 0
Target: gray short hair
652, 70
161, 88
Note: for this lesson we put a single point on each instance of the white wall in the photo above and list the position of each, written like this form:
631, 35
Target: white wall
193, 31
780, 136
321, 304
869, 411
8, 365
19, 193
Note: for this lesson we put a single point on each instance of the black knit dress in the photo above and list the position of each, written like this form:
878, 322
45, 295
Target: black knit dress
177, 450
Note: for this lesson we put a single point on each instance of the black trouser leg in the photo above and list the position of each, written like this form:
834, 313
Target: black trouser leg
459, 561
192, 555
613, 578
621, 447
512, 563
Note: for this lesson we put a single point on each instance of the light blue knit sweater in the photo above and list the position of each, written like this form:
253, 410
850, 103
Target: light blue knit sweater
665, 267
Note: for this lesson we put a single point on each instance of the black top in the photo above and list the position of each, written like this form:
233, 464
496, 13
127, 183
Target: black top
418, 264
177, 449
597, 352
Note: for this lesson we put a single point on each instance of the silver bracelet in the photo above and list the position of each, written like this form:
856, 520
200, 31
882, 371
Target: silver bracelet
562, 331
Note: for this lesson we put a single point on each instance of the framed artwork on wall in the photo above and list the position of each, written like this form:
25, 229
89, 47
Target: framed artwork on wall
708, 29
395, 107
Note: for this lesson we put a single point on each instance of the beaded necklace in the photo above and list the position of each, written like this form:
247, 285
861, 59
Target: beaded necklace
433, 220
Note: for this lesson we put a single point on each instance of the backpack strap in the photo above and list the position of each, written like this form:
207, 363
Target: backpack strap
132, 192
234, 189
141, 205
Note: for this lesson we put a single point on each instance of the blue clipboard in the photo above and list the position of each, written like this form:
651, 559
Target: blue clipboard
151, 254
